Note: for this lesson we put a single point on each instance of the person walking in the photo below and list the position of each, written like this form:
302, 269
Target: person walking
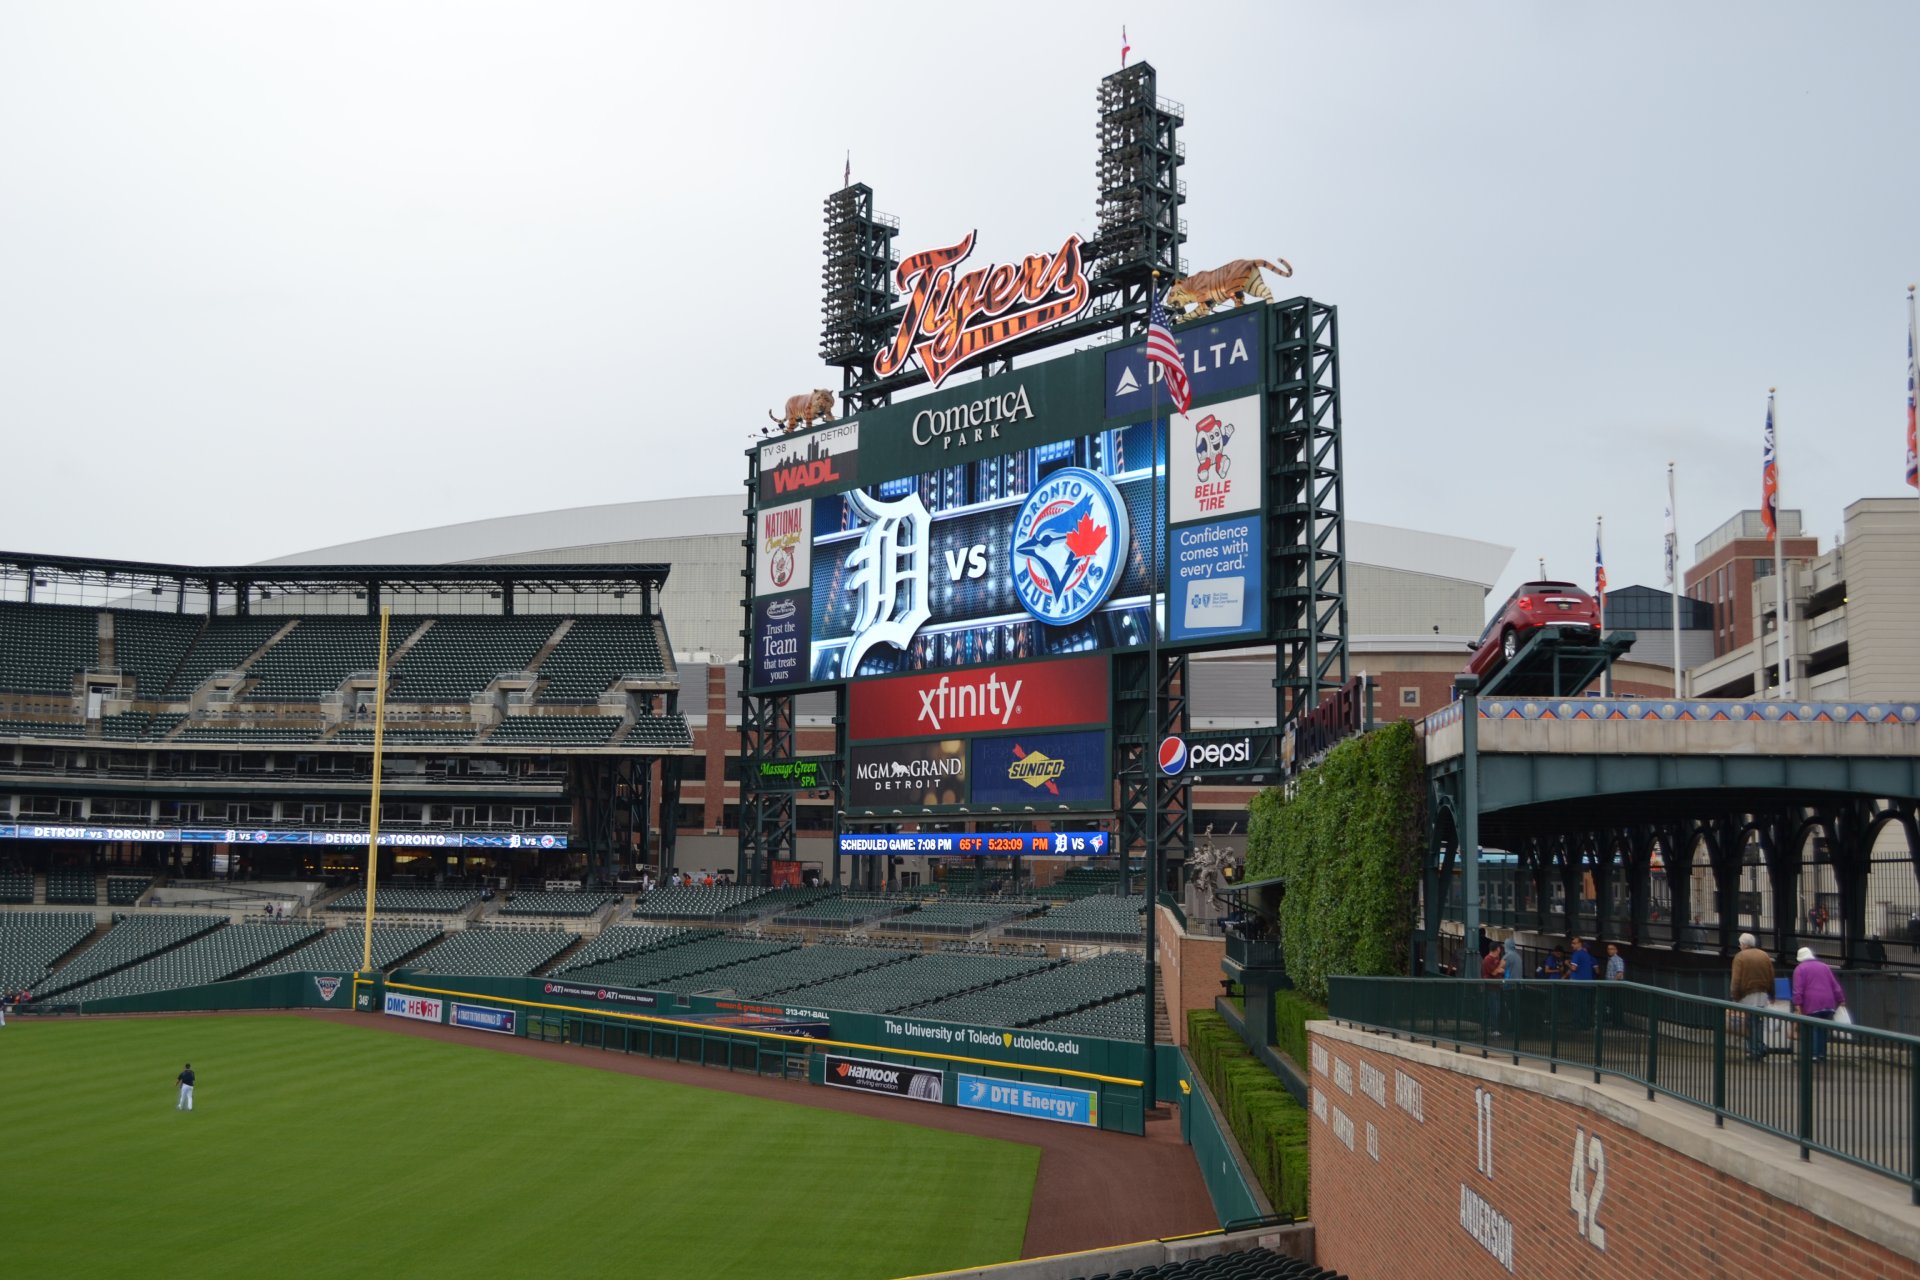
1493, 967
1816, 993
1753, 987
186, 1089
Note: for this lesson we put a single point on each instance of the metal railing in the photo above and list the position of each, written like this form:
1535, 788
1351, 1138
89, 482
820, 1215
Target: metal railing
1850, 1092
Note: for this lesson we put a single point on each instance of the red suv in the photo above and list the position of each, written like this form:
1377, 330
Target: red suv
1534, 605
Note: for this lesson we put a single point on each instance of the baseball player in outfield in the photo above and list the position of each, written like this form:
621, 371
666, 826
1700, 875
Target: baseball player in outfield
186, 1089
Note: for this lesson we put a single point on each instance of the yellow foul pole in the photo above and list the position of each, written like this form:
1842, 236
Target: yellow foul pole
373, 832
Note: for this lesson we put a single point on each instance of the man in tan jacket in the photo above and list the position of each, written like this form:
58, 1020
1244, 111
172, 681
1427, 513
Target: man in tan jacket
1753, 985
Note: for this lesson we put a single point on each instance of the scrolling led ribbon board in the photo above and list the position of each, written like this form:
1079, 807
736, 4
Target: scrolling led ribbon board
953, 318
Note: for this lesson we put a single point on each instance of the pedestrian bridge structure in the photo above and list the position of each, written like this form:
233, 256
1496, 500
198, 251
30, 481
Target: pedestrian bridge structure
1620, 817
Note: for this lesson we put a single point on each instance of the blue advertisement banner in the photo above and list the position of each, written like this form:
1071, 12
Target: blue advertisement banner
1222, 356
782, 627
1215, 590
1043, 770
230, 835
482, 1018
1035, 1101
997, 844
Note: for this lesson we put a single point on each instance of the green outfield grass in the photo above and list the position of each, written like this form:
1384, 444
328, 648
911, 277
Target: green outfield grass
323, 1148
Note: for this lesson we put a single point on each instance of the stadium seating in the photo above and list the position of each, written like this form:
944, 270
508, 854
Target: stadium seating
221, 954
151, 646
696, 902
16, 887
460, 656
775, 902
789, 972
841, 913
43, 729
32, 940
558, 731
1121, 1019
1083, 882
222, 645
42, 647
1050, 993
596, 651
132, 939
73, 887
313, 659
625, 940
340, 950
128, 726
919, 980
959, 917
538, 902
660, 732
485, 951
1096, 918
679, 959
403, 735
427, 902
222, 732
163, 725
124, 891
1253, 1264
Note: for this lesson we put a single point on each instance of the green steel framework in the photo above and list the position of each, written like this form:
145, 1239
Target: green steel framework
1565, 817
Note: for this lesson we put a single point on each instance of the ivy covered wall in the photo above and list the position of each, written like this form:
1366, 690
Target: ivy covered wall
1347, 842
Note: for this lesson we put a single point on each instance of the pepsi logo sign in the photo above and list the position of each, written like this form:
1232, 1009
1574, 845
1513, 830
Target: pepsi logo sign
1069, 544
1176, 755
1173, 755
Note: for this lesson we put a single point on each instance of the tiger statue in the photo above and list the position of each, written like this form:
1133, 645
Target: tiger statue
1205, 290
803, 409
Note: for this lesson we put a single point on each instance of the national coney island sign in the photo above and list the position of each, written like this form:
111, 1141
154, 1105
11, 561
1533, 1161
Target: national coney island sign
953, 317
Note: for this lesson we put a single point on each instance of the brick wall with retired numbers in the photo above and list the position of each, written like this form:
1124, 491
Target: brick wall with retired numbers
1431, 1163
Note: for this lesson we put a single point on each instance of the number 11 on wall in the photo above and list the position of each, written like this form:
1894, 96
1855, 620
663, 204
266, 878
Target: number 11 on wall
1483, 1132
1589, 1156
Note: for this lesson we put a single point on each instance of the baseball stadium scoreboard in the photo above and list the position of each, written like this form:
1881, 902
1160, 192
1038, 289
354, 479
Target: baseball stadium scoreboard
981, 569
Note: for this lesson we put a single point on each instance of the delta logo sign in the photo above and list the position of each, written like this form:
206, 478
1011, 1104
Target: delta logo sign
952, 318
1069, 544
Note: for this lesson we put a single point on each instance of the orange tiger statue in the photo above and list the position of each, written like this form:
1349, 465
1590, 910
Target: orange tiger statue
801, 410
1201, 292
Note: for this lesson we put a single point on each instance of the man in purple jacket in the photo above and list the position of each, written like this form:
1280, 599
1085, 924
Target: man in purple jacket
1816, 993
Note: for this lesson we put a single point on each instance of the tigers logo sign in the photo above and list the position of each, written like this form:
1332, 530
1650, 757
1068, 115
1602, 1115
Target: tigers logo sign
952, 318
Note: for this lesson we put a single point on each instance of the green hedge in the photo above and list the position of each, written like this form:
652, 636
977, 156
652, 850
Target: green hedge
1291, 1014
1347, 842
1269, 1125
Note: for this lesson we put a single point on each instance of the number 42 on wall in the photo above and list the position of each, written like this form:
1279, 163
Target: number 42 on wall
1589, 1156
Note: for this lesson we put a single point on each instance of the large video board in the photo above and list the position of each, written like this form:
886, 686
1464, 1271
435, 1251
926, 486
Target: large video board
1018, 517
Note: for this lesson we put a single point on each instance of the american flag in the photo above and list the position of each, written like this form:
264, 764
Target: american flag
1769, 480
1913, 438
1165, 352
1599, 569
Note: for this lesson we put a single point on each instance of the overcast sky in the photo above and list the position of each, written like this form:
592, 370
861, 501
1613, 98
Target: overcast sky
275, 275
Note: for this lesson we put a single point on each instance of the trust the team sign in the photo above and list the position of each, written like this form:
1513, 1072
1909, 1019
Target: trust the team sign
952, 318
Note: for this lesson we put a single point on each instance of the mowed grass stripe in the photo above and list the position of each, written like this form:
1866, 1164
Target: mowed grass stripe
323, 1148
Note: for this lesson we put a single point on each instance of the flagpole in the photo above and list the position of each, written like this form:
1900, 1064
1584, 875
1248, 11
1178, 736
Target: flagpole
1673, 574
1783, 629
1150, 756
1599, 570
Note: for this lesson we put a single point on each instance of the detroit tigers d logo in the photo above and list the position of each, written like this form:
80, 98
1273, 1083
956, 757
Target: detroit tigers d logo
1068, 546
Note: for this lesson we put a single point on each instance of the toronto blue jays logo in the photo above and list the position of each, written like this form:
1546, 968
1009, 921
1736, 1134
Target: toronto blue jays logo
1068, 547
